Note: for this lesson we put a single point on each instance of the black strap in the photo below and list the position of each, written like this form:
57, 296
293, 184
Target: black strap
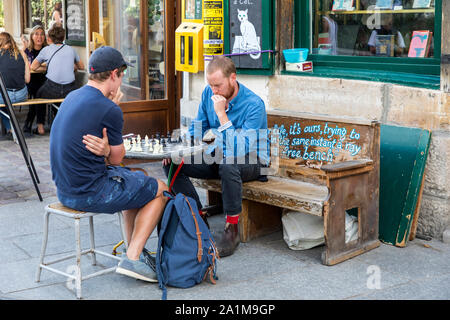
48, 62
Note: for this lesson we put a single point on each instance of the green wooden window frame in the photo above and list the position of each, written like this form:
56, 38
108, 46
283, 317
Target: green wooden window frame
267, 38
417, 72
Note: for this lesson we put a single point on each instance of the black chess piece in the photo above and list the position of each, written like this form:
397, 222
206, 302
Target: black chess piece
169, 137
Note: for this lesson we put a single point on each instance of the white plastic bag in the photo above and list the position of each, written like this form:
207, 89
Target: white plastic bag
351, 228
302, 231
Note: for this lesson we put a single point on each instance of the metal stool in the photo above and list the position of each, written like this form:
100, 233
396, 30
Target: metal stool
60, 209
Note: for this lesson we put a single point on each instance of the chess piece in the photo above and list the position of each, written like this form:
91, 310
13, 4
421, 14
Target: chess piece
127, 144
147, 142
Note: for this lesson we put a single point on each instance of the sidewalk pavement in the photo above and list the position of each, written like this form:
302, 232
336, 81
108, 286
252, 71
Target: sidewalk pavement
264, 268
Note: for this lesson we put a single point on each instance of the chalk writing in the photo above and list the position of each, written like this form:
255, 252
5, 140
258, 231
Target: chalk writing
317, 142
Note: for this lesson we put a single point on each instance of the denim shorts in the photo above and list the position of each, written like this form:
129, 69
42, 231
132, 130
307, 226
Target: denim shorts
121, 189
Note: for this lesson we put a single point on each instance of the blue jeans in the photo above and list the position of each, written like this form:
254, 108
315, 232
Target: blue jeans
15, 96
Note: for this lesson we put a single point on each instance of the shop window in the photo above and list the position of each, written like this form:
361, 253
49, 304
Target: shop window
387, 40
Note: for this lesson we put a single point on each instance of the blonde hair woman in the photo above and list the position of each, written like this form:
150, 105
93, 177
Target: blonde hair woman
36, 43
15, 70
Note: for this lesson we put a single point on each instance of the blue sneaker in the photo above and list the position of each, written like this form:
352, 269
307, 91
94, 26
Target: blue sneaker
136, 269
146, 257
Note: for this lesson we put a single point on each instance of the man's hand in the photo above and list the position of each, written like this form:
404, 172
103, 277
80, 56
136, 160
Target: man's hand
96, 145
220, 105
166, 162
115, 96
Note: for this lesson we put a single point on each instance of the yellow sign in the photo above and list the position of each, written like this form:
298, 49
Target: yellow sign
213, 27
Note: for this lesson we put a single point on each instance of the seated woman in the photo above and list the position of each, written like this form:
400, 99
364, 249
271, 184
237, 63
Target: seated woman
34, 47
16, 74
62, 61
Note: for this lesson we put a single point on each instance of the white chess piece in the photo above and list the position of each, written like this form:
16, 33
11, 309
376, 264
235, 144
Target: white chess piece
127, 145
133, 145
146, 141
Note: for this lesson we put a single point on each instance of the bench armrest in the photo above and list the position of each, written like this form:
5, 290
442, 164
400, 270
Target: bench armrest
346, 165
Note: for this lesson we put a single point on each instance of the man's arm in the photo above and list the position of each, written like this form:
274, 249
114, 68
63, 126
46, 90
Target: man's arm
35, 65
101, 147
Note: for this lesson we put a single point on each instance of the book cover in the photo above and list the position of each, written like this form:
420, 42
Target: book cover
421, 4
420, 44
384, 45
384, 4
343, 5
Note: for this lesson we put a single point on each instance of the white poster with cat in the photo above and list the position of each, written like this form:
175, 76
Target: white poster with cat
245, 33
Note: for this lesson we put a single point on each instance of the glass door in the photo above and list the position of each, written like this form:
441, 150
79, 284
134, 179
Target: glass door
143, 31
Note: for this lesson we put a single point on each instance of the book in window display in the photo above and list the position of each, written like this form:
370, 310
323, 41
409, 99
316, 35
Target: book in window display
420, 44
384, 45
343, 5
384, 4
418, 4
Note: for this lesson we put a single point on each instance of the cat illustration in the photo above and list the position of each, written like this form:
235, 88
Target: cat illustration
249, 41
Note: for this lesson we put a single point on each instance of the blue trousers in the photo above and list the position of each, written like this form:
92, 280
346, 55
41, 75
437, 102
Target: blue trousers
15, 96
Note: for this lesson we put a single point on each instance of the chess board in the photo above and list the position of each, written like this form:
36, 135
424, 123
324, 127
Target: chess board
168, 151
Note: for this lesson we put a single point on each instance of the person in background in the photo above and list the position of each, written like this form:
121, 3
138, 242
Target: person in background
15, 70
62, 61
35, 44
57, 17
387, 28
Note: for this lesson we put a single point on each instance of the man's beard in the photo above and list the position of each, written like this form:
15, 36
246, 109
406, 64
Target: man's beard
230, 92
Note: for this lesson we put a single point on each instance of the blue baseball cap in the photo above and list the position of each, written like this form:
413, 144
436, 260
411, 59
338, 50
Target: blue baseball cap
106, 59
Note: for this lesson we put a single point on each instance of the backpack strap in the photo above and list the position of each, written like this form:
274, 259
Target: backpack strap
198, 233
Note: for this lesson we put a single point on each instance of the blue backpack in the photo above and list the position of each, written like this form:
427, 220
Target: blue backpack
186, 252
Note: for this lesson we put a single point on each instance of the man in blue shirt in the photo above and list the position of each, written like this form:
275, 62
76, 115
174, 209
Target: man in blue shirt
238, 118
86, 149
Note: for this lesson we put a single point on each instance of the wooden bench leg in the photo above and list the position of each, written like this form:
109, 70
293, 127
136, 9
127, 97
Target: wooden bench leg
353, 192
256, 219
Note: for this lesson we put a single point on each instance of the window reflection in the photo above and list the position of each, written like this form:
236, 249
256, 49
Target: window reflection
373, 28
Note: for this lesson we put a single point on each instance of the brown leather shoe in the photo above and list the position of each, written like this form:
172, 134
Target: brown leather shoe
229, 241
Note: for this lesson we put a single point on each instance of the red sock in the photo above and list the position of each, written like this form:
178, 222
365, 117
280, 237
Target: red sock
233, 219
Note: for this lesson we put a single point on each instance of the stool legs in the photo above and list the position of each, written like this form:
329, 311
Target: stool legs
92, 240
77, 277
78, 256
122, 228
44, 246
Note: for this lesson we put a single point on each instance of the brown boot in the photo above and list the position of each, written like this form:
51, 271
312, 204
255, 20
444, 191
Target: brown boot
229, 241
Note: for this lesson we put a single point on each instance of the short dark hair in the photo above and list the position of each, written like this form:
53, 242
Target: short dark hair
57, 33
221, 63
102, 76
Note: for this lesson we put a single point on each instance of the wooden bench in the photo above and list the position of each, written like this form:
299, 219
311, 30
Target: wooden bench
325, 179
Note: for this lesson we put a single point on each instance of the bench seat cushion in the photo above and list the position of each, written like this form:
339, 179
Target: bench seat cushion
280, 192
